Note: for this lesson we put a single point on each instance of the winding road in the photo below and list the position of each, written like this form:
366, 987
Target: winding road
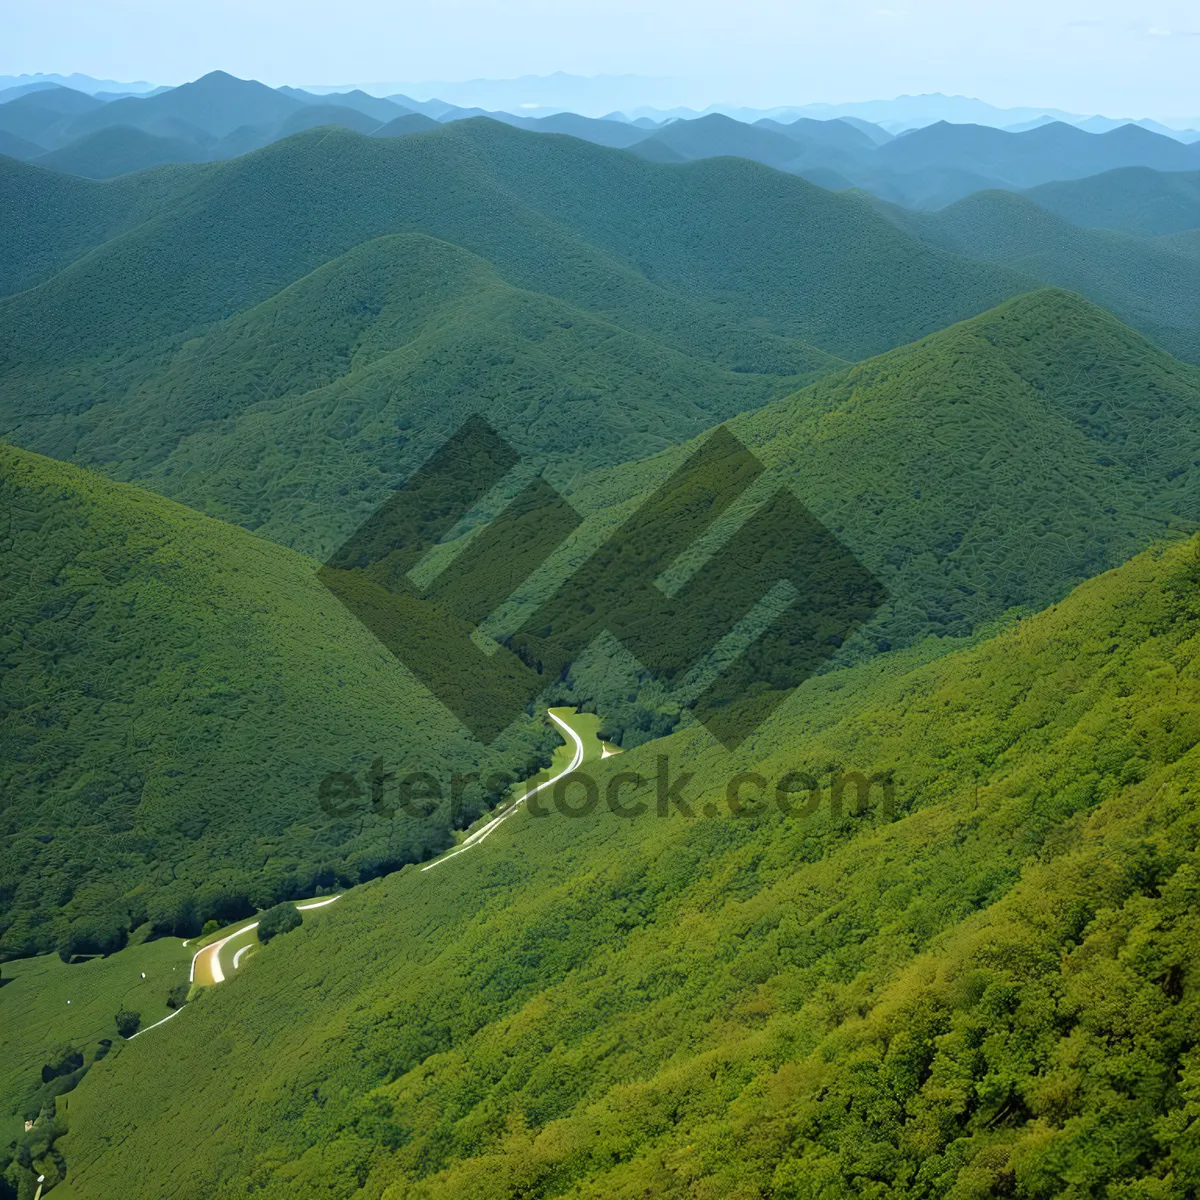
576, 762
206, 962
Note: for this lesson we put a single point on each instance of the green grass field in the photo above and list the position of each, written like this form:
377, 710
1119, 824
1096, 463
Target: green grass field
37, 1018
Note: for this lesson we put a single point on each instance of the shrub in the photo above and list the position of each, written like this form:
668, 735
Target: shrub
280, 919
127, 1022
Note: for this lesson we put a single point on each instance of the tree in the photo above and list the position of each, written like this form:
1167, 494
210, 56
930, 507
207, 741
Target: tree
128, 1022
280, 919
63, 1061
177, 996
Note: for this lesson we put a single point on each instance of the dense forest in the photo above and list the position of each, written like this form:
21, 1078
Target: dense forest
174, 693
990, 993
924, 928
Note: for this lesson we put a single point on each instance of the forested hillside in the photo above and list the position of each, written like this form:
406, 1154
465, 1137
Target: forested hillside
295, 416
987, 468
189, 374
174, 690
1145, 282
916, 493
991, 992
1135, 199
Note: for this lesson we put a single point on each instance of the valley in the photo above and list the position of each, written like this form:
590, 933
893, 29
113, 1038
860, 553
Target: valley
596, 653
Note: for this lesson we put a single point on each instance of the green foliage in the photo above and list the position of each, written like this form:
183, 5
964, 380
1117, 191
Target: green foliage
1145, 282
63, 1061
283, 918
984, 470
990, 993
1135, 199
116, 150
983, 986
48, 1008
127, 1022
174, 691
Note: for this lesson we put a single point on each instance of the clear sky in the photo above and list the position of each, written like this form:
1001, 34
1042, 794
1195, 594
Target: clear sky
1118, 57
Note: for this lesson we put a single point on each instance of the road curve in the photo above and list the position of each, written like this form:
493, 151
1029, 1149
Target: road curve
481, 833
209, 957
206, 962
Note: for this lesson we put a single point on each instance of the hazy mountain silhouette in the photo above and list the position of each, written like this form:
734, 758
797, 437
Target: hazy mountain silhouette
1135, 199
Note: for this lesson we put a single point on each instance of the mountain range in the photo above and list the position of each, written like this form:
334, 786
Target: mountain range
509, 1011
929, 929
219, 117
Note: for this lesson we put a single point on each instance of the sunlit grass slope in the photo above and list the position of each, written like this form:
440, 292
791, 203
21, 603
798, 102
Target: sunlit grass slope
993, 992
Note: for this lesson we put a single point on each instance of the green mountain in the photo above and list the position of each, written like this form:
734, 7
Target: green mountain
844, 135
553, 194
980, 986
635, 268
316, 115
53, 219
16, 147
216, 104
117, 150
40, 116
174, 691
1135, 199
1034, 156
928, 931
567, 282
986, 469
716, 134
295, 416
371, 106
600, 132
925, 168
1148, 284
409, 123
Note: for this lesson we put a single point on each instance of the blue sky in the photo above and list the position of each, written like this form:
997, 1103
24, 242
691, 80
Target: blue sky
1112, 56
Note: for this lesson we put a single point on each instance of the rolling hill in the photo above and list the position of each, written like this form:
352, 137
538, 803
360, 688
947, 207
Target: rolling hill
117, 150
220, 117
984, 989
316, 115
295, 416
39, 116
638, 217
716, 135
53, 218
1135, 200
928, 930
591, 228
16, 147
925, 168
984, 470
1145, 282
216, 104
409, 123
174, 692
603, 263
372, 106
1021, 160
